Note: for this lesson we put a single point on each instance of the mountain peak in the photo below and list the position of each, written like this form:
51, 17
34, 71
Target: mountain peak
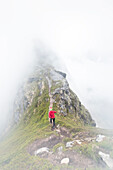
65, 101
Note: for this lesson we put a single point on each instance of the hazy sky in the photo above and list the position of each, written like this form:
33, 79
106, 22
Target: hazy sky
80, 33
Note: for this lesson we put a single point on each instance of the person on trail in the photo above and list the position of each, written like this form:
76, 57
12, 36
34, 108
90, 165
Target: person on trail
52, 117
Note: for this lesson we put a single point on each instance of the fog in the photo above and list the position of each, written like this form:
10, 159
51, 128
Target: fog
77, 33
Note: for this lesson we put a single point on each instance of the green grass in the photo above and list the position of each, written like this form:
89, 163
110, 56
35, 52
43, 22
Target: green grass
89, 151
57, 146
35, 125
107, 146
13, 149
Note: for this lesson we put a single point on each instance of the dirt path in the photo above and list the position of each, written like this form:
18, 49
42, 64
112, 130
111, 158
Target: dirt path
51, 99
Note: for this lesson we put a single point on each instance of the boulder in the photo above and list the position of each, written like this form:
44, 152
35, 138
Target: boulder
69, 144
65, 161
79, 142
106, 158
100, 138
41, 150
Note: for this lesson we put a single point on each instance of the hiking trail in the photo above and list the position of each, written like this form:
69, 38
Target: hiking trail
50, 95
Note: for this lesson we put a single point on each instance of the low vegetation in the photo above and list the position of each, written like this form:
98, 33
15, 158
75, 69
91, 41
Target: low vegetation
34, 125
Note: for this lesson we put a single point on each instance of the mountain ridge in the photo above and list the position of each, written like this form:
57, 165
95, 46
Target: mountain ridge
75, 143
65, 100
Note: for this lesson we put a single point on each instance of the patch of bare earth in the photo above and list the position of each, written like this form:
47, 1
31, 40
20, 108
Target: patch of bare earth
47, 142
75, 159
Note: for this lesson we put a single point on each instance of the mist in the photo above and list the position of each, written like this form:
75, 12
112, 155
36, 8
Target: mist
74, 35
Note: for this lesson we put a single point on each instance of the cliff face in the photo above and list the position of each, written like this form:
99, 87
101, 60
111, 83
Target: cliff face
45, 79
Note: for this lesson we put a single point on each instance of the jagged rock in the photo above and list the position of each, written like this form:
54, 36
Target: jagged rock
89, 139
93, 123
79, 142
69, 144
65, 161
63, 74
100, 138
63, 113
106, 158
57, 91
55, 76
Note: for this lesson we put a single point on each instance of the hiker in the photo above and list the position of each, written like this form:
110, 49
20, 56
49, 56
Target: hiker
52, 117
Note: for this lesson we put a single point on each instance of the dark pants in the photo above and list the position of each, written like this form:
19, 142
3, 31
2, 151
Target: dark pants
53, 121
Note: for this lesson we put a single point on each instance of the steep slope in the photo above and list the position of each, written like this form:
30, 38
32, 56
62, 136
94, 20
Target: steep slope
57, 89
31, 144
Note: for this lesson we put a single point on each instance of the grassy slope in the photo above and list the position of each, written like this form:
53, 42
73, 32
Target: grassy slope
35, 125
13, 153
13, 150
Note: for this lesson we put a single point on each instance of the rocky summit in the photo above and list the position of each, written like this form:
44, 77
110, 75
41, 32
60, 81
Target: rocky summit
31, 143
61, 97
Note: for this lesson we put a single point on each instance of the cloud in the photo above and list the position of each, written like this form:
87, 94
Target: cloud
76, 33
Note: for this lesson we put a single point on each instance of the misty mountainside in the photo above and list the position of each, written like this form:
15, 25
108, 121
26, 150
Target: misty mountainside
75, 143
42, 83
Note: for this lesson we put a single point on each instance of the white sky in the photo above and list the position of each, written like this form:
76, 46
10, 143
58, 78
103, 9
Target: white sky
78, 32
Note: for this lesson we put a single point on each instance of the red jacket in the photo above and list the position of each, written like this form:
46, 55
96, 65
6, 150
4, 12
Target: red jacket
51, 114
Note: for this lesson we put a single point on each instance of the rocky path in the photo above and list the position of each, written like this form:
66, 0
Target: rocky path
51, 99
45, 148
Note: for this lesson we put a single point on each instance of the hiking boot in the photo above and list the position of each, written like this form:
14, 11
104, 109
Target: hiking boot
53, 128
